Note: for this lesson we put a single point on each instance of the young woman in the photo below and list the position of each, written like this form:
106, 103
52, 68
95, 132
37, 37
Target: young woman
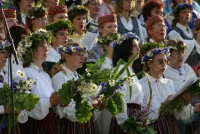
60, 31
36, 18
124, 10
179, 73
181, 31
78, 15
55, 13
125, 48
107, 24
63, 71
102, 123
40, 120
170, 16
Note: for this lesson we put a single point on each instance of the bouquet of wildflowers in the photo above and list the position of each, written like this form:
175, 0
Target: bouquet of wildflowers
96, 84
138, 124
24, 99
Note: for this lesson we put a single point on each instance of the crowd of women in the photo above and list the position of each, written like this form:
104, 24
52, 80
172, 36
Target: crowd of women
169, 47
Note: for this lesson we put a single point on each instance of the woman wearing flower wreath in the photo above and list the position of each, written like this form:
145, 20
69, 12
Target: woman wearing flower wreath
125, 48
155, 62
72, 58
102, 123
179, 73
36, 18
181, 31
3, 78
107, 24
33, 52
78, 15
60, 31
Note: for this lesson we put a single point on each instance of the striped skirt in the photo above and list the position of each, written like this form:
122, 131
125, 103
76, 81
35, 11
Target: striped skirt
166, 125
49, 125
132, 108
69, 127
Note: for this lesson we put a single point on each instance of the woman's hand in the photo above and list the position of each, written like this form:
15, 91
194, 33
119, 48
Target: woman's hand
166, 100
187, 98
197, 108
54, 98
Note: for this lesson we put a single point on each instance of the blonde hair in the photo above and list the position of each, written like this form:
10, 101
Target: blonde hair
58, 66
118, 8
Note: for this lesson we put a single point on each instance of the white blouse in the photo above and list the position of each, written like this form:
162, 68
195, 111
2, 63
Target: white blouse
107, 64
43, 89
161, 89
136, 96
53, 55
69, 111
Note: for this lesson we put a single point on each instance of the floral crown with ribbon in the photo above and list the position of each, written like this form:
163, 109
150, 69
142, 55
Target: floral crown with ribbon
124, 37
32, 41
149, 50
70, 49
174, 44
109, 38
180, 6
35, 10
59, 25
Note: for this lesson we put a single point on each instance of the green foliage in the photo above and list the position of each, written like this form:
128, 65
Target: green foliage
150, 45
176, 103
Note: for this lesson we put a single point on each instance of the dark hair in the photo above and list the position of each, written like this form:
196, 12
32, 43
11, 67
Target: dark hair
177, 12
72, 15
16, 33
38, 14
122, 51
174, 4
149, 6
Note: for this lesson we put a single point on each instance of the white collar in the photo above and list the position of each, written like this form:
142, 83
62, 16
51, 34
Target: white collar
151, 40
68, 71
152, 79
184, 28
36, 67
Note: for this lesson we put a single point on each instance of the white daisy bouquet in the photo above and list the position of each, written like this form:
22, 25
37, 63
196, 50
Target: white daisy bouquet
96, 85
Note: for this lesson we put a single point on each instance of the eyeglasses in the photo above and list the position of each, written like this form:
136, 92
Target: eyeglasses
162, 62
42, 19
160, 27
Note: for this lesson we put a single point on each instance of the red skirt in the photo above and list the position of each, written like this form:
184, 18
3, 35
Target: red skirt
132, 108
49, 125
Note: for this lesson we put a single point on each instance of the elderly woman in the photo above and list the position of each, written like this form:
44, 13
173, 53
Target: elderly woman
181, 31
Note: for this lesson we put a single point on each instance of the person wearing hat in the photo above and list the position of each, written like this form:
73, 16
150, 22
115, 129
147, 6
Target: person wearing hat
94, 7
78, 15
56, 13
36, 18
24, 6
181, 31
11, 20
124, 9
151, 8
50, 3
156, 29
106, 24
170, 16
60, 30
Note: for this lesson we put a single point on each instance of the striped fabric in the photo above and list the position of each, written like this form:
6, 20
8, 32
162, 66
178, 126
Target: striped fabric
49, 125
114, 127
166, 125
69, 127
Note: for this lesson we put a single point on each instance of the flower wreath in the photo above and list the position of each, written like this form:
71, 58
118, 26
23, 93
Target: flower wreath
4, 44
79, 8
148, 50
61, 24
124, 37
34, 10
110, 37
177, 48
67, 49
31, 41
180, 6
